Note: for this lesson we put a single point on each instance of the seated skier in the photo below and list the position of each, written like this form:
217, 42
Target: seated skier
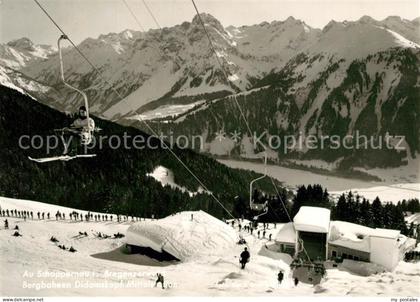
83, 129
82, 123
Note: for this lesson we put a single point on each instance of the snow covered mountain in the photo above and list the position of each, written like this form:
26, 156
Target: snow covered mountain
322, 95
305, 69
21, 52
177, 62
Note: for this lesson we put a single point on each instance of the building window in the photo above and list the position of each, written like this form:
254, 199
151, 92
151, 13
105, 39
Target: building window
334, 254
356, 258
344, 256
350, 257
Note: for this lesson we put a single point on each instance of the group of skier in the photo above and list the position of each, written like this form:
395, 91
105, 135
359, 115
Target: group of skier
250, 229
16, 229
72, 215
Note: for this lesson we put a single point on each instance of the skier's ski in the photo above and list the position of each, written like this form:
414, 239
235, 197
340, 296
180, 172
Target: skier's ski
61, 158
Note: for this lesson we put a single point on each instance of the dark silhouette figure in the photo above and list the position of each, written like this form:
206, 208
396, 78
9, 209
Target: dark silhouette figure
280, 276
296, 281
160, 279
244, 258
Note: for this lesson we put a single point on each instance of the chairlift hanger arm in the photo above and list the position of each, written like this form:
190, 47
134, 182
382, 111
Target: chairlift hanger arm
64, 37
257, 179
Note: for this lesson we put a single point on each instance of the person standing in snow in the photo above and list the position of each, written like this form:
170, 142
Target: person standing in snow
6, 224
258, 233
244, 258
280, 276
269, 237
160, 279
296, 281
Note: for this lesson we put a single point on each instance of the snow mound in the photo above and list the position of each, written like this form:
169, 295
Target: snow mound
363, 268
185, 235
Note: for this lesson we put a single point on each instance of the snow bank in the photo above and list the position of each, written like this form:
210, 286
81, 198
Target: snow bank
183, 237
362, 268
312, 219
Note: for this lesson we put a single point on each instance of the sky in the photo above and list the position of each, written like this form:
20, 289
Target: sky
90, 18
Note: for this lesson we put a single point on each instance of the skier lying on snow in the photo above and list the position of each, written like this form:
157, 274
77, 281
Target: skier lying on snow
83, 128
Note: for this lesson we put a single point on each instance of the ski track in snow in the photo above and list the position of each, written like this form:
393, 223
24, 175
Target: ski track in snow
205, 276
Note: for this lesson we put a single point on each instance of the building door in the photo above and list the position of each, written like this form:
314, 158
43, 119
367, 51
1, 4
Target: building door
315, 245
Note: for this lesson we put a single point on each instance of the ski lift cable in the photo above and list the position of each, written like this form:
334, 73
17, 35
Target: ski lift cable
88, 138
158, 25
133, 15
158, 49
227, 78
78, 49
237, 103
143, 29
138, 115
213, 49
290, 218
151, 14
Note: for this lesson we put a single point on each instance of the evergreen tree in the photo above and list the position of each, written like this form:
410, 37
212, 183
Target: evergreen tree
377, 213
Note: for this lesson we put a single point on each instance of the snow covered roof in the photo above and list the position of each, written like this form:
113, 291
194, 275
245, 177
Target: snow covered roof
350, 235
385, 233
312, 219
357, 237
286, 234
183, 237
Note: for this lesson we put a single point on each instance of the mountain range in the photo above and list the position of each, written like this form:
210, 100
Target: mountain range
288, 77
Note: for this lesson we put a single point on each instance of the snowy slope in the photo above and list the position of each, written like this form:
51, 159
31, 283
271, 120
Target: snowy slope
18, 53
339, 38
134, 275
387, 193
18, 81
166, 178
168, 111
